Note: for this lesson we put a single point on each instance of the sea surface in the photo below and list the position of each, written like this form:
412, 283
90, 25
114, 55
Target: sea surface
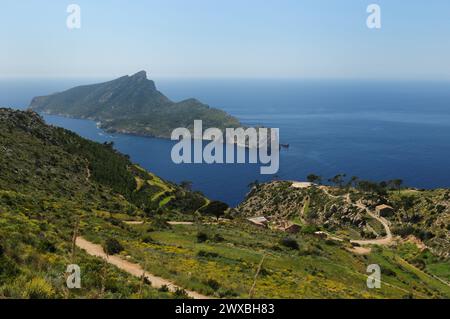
375, 130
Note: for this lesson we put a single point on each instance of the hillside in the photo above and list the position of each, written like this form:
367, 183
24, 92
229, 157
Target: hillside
55, 183
132, 105
50, 179
350, 213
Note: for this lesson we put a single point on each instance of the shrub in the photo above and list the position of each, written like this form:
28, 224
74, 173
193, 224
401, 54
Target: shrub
47, 246
218, 238
38, 288
214, 284
158, 223
112, 246
207, 254
424, 235
367, 235
311, 215
264, 272
403, 231
147, 239
8, 269
388, 272
114, 221
202, 237
147, 281
215, 208
181, 293
163, 288
290, 243
227, 293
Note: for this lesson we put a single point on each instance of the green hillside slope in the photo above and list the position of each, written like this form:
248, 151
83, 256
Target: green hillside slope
54, 183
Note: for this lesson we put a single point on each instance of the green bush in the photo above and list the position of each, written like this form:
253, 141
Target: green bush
158, 223
163, 288
47, 246
213, 284
180, 294
290, 243
388, 272
114, 221
147, 239
8, 269
218, 238
227, 293
202, 237
38, 288
112, 246
215, 208
207, 254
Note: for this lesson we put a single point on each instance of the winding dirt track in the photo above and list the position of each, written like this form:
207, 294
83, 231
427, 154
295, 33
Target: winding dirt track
382, 241
132, 268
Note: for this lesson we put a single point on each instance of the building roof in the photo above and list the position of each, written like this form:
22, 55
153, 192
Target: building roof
302, 184
383, 206
258, 220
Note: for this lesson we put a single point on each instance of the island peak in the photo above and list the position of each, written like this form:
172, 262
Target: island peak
141, 75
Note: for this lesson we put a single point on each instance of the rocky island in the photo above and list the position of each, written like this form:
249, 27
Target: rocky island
132, 105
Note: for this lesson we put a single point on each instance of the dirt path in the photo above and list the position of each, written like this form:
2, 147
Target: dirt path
137, 222
180, 223
132, 268
88, 172
325, 190
133, 222
332, 237
382, 241
360, 250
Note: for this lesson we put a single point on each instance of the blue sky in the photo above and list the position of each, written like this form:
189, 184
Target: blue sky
226, 38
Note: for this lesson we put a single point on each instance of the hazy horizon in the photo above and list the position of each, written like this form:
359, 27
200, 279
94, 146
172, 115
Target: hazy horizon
94, 78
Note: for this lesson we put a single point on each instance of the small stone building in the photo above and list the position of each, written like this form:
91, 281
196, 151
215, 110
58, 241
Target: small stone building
384, 210
289, 227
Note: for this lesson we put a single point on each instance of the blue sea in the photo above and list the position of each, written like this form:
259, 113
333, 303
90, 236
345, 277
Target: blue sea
375, 130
